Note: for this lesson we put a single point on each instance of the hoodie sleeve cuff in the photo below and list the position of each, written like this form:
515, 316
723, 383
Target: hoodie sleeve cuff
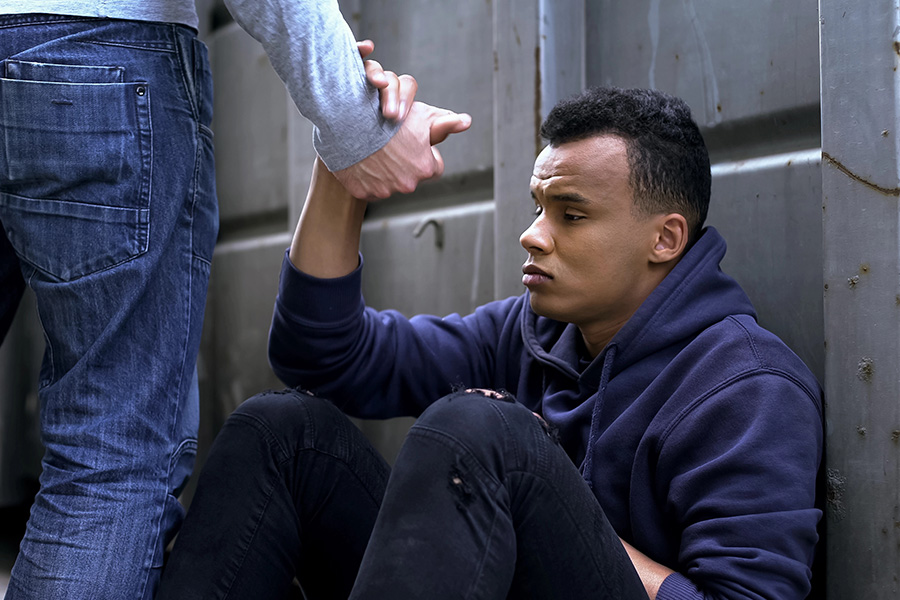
314, 301
678, 587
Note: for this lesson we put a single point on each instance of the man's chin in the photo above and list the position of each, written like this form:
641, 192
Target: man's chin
542, 308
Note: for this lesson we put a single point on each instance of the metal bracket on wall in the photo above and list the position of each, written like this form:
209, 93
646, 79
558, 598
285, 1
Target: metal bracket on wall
438, 230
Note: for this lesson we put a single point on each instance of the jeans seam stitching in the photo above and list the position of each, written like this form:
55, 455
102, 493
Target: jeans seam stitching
569, 514
39, 20
339, 459
481, 563
245, 549
142, 249
182, 67
195, 184
43, 383
510, 439
287, 456
259, 424
143, 47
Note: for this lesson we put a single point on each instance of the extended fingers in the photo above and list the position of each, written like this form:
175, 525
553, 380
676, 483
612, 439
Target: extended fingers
397, 93
365, 47
391, 88
390, 96
447, 123
375, 73
407, 95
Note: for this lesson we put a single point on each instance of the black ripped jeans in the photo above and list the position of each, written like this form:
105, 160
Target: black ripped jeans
481, 503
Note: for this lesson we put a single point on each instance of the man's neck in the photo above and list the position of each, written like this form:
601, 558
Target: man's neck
597, 336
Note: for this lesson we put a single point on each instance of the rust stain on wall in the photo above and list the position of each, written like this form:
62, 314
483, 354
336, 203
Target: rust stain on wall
843, 169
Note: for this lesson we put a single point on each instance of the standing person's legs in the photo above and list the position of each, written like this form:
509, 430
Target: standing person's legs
291, 487
107, 195
483, 503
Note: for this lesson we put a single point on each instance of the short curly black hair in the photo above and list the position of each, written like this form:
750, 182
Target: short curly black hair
666, 154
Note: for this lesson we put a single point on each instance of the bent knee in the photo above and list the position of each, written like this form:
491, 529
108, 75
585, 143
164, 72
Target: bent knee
477, 413
273, 405
286, 413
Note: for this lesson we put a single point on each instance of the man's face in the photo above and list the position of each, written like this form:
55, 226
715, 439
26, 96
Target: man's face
588, 249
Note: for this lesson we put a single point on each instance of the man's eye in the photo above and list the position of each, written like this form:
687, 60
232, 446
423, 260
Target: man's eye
571, 217
537, 210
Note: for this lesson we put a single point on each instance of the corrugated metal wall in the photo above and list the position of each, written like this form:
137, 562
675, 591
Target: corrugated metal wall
751, 73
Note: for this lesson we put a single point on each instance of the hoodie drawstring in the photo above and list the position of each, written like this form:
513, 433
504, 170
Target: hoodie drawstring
595, 414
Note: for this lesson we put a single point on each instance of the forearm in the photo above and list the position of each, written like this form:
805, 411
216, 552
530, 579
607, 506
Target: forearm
314, 53
652, 573
326, 241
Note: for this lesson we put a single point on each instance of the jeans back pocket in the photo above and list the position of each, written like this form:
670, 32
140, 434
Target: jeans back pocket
74, 166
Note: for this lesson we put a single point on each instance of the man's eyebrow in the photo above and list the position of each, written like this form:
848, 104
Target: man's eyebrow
569, 197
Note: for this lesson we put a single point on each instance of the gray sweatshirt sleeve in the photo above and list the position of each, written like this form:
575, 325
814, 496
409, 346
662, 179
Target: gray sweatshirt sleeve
314, 52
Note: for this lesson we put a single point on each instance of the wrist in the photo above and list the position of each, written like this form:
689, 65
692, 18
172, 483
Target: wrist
326, 242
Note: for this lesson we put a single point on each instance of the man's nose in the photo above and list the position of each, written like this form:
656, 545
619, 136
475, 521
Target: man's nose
535, 239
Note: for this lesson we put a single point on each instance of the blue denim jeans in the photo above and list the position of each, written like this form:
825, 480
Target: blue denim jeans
481, 503
108, 212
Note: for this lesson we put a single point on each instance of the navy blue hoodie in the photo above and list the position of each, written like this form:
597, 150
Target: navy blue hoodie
700, 432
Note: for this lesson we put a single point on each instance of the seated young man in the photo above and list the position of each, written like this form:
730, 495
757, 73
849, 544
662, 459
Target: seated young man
646, 437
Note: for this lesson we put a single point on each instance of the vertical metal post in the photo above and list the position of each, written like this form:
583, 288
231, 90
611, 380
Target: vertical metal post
860, 53
538, 59
517, 119
562, 35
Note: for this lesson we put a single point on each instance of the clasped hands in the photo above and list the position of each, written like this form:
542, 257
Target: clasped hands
410, 156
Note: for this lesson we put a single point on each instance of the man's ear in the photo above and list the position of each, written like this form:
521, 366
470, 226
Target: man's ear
671, 238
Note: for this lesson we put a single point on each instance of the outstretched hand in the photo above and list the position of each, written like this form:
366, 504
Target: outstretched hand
409, 157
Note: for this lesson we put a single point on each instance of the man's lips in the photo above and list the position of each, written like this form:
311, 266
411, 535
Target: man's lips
534, 275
